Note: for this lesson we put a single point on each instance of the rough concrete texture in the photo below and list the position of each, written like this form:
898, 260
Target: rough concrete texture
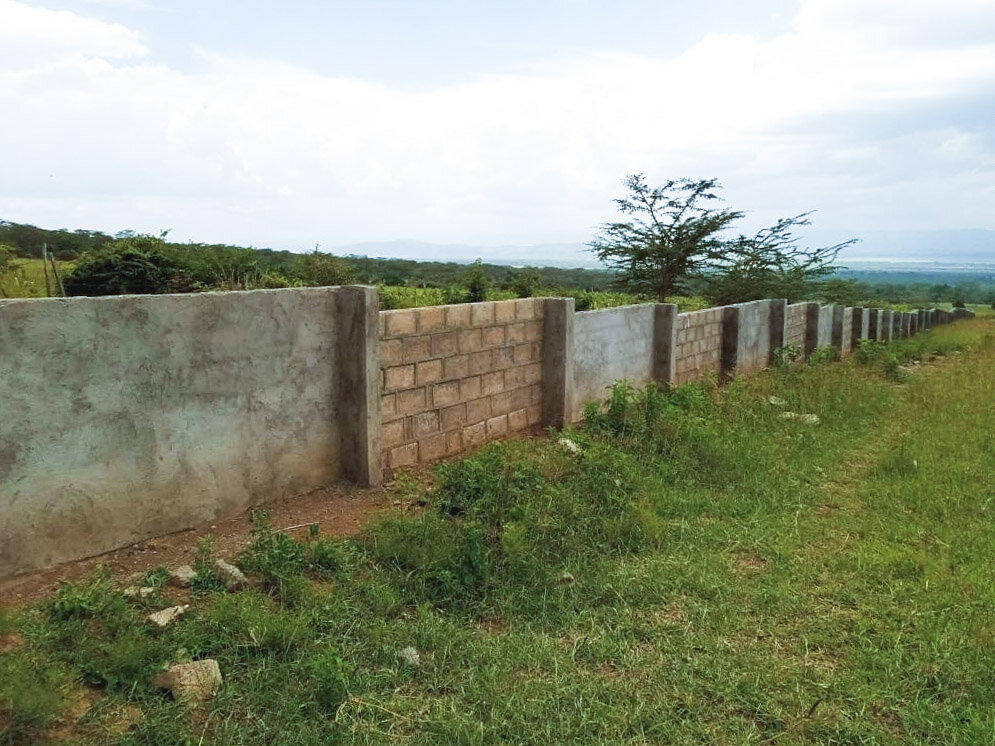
795, 318
698, 344
452, 377
825, 326
135, 416
760, 325
611, 345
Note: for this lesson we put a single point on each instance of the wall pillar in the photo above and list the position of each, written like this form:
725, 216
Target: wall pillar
836, 337
811, 328
557, 362
358, 358
664, 342
730, 342
778, 321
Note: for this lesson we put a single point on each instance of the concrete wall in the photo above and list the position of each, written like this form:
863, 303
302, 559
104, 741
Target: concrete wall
794, 325
760, 331
135, 416
453, 377
610, 345
129, 417
698, 345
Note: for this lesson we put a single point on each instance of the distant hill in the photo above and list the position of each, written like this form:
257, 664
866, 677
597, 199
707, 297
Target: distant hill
535, 255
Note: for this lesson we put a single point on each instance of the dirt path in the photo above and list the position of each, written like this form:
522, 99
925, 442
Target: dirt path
339, 510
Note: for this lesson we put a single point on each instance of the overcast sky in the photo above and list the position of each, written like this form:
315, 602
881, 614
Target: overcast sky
301, 122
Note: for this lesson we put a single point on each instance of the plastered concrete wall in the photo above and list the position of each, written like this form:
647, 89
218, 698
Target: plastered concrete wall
753, 347
825, 328
611, 345
135, 416
453, 377
698, 347
794, 325
846, 345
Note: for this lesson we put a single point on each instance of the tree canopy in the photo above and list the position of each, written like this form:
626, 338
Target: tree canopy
675, 239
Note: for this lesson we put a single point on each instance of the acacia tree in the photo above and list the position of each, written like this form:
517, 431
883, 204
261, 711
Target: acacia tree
674, 238
672, 235
771, 264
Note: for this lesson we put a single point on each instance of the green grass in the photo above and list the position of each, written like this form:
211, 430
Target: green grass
704, 571
29, 280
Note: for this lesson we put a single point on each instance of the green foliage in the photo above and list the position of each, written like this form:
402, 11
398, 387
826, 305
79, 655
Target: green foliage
318, 269
673, 241
32, 693
329, 680
135, 265
672, 235
823, 355
525, 283
783, 356
93, 629
771, 264
477, 283
281, 562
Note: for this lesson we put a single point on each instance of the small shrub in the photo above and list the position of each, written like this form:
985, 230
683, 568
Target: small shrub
329, 680
823, 355
31, 694
784, 356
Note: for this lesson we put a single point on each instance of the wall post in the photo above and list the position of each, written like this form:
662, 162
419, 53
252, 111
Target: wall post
358, 359
836, 337
885, 325
778, 320
557, 362
730, 342
664, 342
811, 328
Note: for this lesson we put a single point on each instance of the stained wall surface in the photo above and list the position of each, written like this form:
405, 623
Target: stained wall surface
135, 416
610, 345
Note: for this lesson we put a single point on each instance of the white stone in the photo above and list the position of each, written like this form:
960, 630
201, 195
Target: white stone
777, 401
165, 617
409, 657
182, 576
231, 576
133, 592
569, 445
195, 681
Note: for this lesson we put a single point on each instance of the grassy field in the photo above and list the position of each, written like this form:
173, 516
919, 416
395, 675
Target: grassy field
693, 567
29, 281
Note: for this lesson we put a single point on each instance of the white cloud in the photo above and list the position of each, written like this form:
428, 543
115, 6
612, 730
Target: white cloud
255, 150
31, 37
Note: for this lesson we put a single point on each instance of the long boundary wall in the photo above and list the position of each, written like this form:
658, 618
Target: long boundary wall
129, 417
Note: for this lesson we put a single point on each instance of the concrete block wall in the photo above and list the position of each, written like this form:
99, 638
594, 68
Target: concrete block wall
130, 417
452, 377
698, 344
794, 325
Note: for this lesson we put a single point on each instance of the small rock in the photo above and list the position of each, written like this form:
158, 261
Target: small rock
788, 415
134, 592
409, 657
165, 617
777, 401
193, 682
810, 419
182, 576
567, 578
569, 445
231, 576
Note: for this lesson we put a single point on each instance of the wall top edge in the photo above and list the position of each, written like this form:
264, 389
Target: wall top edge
75, 299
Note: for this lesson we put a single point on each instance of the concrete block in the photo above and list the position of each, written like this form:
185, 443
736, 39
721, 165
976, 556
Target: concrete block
730, 341
664, 342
